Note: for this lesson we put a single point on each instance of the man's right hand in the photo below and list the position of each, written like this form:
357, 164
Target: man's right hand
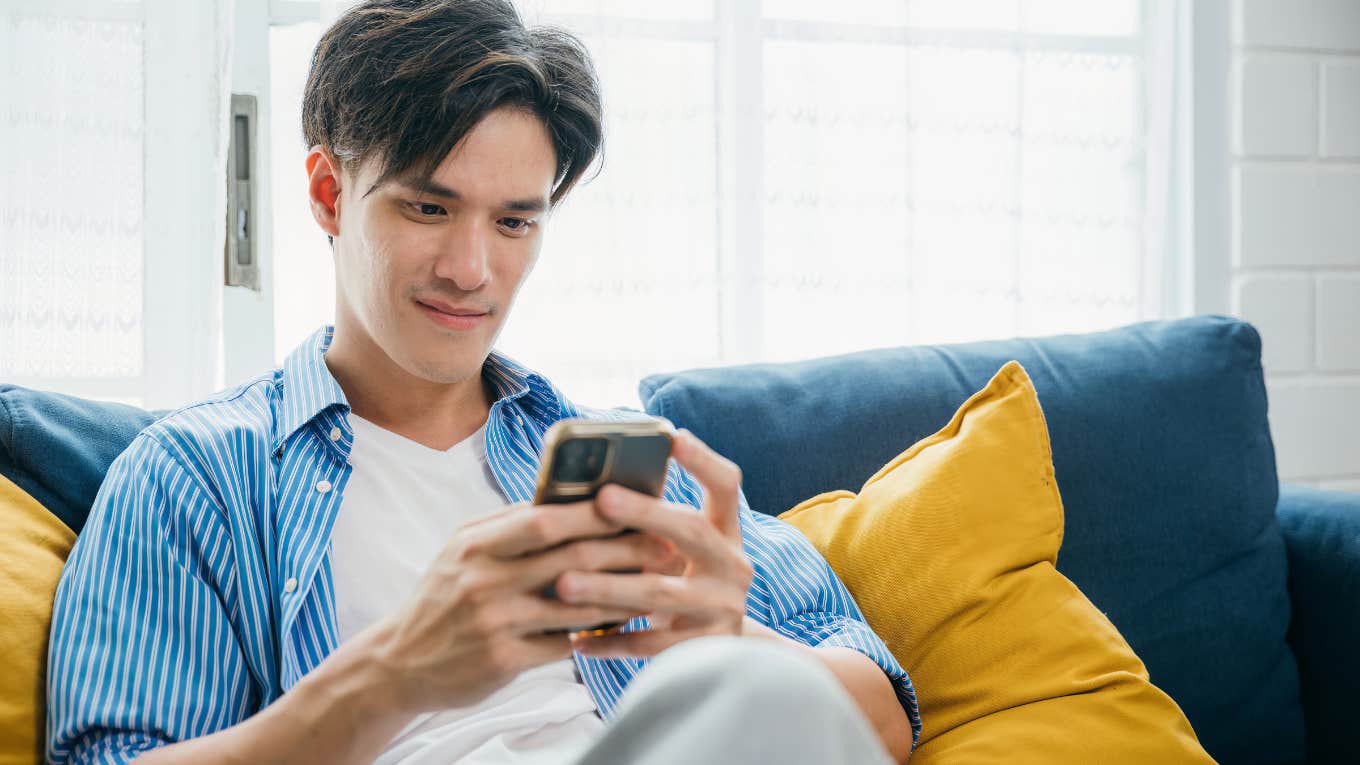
477, 619
479, 616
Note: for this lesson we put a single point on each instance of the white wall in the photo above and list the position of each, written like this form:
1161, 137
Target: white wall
1296, 224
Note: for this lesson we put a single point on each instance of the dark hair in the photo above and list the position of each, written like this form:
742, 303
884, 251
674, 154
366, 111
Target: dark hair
403, 81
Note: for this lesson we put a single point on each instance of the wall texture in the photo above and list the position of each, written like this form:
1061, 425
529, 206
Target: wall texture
1296, 224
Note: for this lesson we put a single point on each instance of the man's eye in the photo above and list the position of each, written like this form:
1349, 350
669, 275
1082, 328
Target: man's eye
428, 210
516, 224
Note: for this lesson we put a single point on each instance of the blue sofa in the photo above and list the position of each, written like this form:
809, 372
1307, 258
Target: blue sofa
1241, 596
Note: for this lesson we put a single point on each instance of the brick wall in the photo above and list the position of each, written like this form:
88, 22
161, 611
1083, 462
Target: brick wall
1296, 224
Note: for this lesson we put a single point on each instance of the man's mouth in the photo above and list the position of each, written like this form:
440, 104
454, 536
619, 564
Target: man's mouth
452, 316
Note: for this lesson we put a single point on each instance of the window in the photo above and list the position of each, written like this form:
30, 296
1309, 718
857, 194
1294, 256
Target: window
793, 178
783, 179
71, 289
100, 292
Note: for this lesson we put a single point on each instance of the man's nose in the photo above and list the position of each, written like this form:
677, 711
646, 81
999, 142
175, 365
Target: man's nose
465, 257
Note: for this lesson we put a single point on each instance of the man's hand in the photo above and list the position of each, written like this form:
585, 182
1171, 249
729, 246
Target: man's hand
699, 590
479, 617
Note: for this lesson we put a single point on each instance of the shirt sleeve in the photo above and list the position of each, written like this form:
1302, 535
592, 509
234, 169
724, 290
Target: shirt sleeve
807, 602
142, 651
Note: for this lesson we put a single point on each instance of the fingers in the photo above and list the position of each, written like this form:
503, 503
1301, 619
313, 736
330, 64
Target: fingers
645, 593
720, 477
529, 528
693, 535
529, 615
671, 563
625, 551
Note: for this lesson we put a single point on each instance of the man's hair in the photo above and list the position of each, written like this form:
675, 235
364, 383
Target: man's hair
403, 81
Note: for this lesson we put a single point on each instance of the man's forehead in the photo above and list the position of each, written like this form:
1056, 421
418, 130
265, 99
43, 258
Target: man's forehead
508, 152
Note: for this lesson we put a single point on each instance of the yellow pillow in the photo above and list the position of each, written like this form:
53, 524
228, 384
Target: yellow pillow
33, 549
950, 551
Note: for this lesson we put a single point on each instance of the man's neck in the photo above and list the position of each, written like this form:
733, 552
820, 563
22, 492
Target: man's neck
437, 415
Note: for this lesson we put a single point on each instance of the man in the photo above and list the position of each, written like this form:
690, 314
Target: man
337, 561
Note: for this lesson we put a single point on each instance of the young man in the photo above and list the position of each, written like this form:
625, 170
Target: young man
337, 561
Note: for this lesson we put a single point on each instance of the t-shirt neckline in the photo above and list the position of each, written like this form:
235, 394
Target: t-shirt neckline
473, 443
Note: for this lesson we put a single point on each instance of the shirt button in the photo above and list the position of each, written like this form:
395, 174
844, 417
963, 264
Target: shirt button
290, 585
323, 486
335, 434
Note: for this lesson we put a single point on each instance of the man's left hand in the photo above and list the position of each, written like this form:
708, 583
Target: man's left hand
701, 589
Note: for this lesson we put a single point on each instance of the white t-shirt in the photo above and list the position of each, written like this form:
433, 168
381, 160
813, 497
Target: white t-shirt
401, 504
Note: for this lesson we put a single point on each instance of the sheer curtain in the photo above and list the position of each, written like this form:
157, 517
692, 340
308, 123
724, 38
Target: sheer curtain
71, 260
111, 194
793, 178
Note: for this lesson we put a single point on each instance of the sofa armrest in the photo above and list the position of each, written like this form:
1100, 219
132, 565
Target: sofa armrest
1322, 537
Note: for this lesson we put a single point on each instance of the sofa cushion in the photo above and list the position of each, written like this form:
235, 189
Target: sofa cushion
33, 548
1162, 449
57, 448
949, 549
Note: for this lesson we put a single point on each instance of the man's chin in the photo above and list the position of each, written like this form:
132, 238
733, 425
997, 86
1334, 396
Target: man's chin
449, 368
444, 356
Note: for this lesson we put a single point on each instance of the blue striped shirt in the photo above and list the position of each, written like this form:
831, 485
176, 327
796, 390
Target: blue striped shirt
200, 590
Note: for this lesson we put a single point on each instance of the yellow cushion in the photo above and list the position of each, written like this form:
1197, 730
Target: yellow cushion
950, 550
33, 549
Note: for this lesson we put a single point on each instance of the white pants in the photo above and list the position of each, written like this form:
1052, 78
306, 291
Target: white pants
721, 700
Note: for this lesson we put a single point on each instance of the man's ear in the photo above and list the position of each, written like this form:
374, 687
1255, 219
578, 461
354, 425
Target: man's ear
323, 189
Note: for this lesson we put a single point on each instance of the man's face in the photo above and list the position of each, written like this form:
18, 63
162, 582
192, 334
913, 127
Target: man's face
426, 272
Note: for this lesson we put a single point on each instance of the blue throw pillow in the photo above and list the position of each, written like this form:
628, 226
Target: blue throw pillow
57, 448
1163, 456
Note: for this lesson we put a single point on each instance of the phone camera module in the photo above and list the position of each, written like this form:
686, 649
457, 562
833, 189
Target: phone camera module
580, 460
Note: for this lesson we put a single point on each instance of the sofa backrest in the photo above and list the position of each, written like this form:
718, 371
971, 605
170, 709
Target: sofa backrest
57, 448
1164, 461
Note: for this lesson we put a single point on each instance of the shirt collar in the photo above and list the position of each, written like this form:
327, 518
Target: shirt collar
308, 386
309, 389
512, 381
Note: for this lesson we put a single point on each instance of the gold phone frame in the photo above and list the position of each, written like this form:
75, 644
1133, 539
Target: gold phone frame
548, 491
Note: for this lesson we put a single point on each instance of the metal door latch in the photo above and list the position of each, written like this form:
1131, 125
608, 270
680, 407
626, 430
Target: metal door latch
242, 268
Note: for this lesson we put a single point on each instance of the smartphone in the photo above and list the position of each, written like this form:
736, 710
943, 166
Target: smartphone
580, 456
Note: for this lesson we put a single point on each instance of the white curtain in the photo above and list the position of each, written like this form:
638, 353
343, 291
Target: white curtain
793, 178
71, 194
111, 200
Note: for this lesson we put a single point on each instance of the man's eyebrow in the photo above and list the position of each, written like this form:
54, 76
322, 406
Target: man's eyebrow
434, 188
